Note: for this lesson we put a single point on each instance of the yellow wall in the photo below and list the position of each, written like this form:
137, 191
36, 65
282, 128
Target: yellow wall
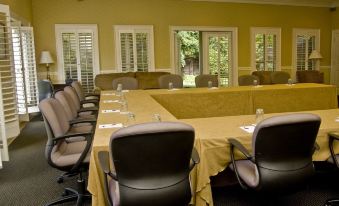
335, 19
23, 8
163, 13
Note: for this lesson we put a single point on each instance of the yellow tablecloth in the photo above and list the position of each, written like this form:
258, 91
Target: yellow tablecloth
212, 132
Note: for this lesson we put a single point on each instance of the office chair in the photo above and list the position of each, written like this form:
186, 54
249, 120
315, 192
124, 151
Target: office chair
45, 89
282, 154
247, 80
69, 156
333, 137
155, 170
310, 76
81, 94
203, 79
79, 105
280, 77
86, 122
175, 79
128, 83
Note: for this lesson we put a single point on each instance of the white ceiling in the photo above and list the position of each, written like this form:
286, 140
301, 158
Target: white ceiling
313, 3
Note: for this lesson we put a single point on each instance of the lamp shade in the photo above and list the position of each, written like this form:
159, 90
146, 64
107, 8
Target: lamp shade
315, 55
46, 58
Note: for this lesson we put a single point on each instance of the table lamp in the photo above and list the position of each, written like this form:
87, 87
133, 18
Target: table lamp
46, 58
315, 56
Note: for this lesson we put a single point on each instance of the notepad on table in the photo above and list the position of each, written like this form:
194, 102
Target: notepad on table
113, 125
248, 128
110, 110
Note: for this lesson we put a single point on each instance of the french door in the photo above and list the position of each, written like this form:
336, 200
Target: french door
217, 57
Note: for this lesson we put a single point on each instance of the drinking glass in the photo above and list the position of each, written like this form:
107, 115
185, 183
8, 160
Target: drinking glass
124, 107
259, 115
118, 92
255, 82
209, 84
130, 119
289, 81
170, 86
156, 118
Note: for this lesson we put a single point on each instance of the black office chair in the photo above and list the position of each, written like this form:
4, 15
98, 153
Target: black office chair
45, 89
66, 149
152, 163
282, 154
334, 159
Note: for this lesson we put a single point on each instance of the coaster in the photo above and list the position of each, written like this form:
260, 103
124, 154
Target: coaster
114, 125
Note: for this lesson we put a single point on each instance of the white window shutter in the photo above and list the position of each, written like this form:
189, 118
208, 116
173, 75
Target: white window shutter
69, 51
9, 121
127, 52
86, 54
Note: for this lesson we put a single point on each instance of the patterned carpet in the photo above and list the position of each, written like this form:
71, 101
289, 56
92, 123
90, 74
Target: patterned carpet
28, 180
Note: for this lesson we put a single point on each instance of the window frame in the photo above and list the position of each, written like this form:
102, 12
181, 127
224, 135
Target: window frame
59, 29
304, 31
266, 30
117, 29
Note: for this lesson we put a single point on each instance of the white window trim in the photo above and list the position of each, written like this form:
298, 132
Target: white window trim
118, 28
234, 31
301, 31
266, 30
59, 28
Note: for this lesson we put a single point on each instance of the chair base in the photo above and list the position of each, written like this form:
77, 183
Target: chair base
332, 202
71, 195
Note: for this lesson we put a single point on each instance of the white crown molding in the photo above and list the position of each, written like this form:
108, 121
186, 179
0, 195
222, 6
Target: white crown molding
310, 3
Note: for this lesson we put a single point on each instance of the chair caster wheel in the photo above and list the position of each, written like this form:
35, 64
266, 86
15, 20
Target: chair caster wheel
60, 180
65, 193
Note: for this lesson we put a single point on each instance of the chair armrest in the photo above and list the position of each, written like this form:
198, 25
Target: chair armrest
240, 147
103, 157
83, 120
333, 137
68, 135
195, 158
88, 109
89, 101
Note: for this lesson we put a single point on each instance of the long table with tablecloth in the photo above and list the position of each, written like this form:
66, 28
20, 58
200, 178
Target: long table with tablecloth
212, 128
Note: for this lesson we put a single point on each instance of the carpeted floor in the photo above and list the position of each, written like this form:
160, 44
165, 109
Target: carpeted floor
28, 180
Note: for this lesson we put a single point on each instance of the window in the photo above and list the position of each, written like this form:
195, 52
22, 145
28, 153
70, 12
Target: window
265, 48
78, 54
304, 42
134, 48
201, 50
25, 70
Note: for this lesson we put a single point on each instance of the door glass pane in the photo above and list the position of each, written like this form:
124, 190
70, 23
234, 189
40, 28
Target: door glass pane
86, 61
69, 47
142, 51
127, 57
260, 52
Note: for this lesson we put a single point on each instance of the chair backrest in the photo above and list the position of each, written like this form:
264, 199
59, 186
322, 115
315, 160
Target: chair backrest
203, 79
45, 89
159, 169
129, 83
310, 76
280, 77
264, 77
283, 147
67, 104
74, 97
176, 80
78, 89
247, 80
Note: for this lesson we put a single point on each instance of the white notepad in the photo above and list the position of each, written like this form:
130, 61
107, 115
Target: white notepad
248, 128
108, 94
114, 125
110, 110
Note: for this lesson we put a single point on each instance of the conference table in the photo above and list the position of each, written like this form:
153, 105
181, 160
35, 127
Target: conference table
216, 115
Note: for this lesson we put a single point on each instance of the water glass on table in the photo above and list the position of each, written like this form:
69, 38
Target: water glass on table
210, 85
130, 119
170, 86
259, 115
124, 107
118, 92
255, 82
156, 118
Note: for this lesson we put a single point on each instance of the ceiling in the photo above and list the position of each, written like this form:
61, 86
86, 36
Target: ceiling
313, 3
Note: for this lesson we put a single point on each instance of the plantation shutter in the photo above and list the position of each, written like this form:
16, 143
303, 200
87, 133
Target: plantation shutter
305, 46
134, 50
25, 70
78, 54
86, 60
9, 121
266, 52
